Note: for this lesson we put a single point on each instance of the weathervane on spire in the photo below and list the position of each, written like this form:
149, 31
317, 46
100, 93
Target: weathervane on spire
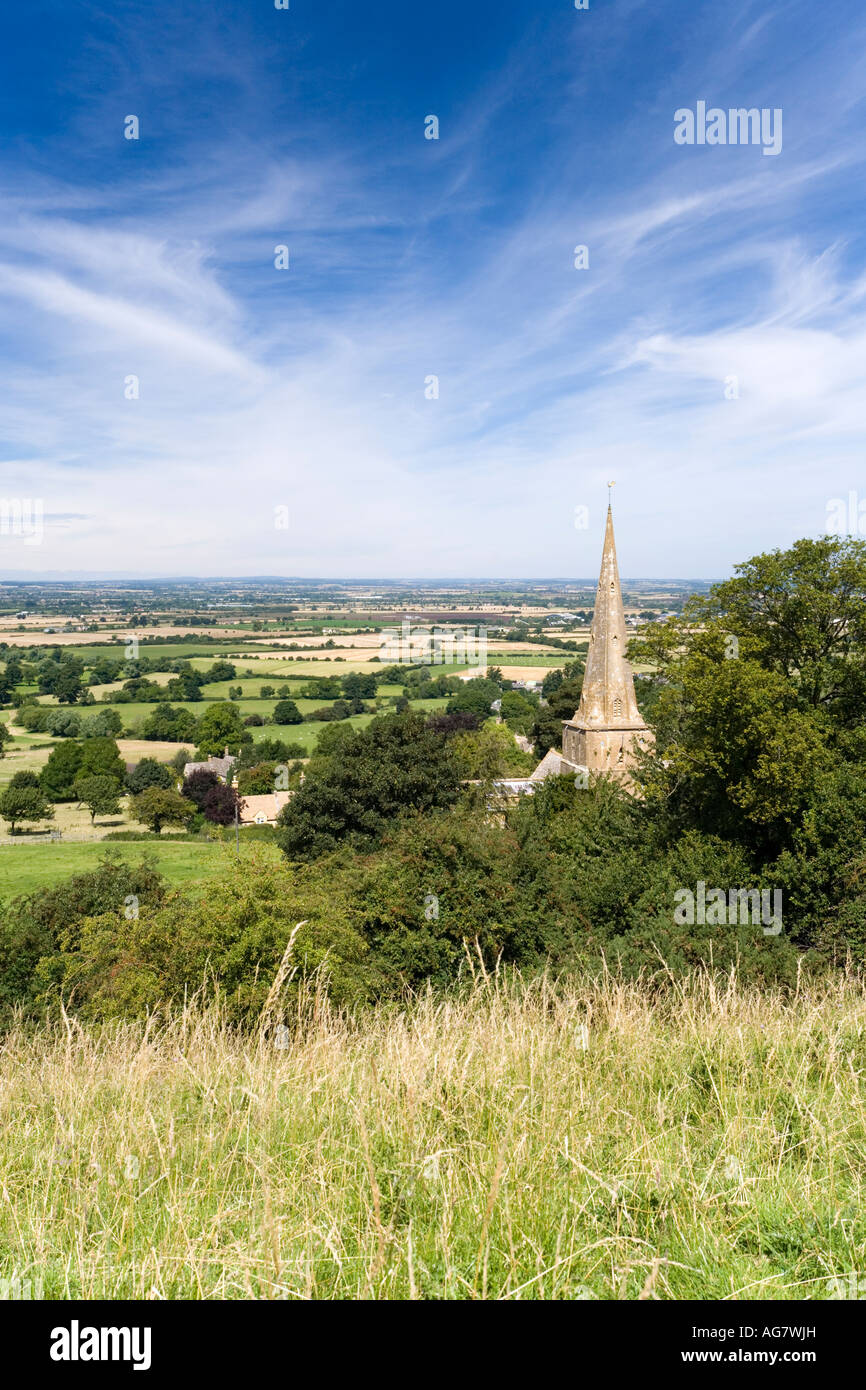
609, 486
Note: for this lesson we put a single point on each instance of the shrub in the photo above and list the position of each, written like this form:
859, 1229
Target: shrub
221, 804
31, 927
232, 939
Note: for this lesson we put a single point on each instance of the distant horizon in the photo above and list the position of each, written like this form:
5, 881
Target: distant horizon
73, 577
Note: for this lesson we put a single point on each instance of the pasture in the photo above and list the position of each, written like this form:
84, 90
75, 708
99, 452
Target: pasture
29, 866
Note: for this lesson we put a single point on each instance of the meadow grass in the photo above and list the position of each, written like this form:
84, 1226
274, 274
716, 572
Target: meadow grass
519, 1140
27, 868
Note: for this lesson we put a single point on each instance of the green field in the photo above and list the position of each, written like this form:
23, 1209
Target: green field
135, 714
267, 672
25, 868
304, 734
535, 658
89, 653
307, 734
301, 667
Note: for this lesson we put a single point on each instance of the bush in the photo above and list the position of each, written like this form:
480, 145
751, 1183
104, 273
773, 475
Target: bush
445, 886
63, 723
269, 750
258, 780
232, 939
340, 709
106, 724
491, 752
221, 804
32, 928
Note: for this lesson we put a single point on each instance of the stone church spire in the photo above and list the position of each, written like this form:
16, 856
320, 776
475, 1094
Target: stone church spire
607, 725
608, 688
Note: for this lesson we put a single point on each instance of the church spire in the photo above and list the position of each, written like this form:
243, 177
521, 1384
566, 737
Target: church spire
608, 700
607, 728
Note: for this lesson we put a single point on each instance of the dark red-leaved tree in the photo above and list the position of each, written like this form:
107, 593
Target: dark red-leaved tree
198, 785
220, 804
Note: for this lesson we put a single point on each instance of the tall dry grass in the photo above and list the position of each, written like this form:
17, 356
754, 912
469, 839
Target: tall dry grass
524, 1140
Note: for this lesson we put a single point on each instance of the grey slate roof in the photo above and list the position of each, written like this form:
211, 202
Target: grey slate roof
221, 766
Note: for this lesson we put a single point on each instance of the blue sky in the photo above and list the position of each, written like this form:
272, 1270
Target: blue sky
282, 425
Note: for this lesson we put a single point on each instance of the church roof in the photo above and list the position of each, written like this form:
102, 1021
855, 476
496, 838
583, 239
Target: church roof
553, 764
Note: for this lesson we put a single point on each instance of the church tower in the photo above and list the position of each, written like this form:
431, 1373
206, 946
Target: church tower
607, 726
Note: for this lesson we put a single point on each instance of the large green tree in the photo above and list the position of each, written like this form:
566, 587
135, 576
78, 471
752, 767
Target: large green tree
220, 727
58, 775
150, 773
100, 794
68, 685
287, 712
758, 685
23, 805
737, 755
394, 766
171, 724
100, 757
799, 613
475, 696
156, 807
563, 697
804, 611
